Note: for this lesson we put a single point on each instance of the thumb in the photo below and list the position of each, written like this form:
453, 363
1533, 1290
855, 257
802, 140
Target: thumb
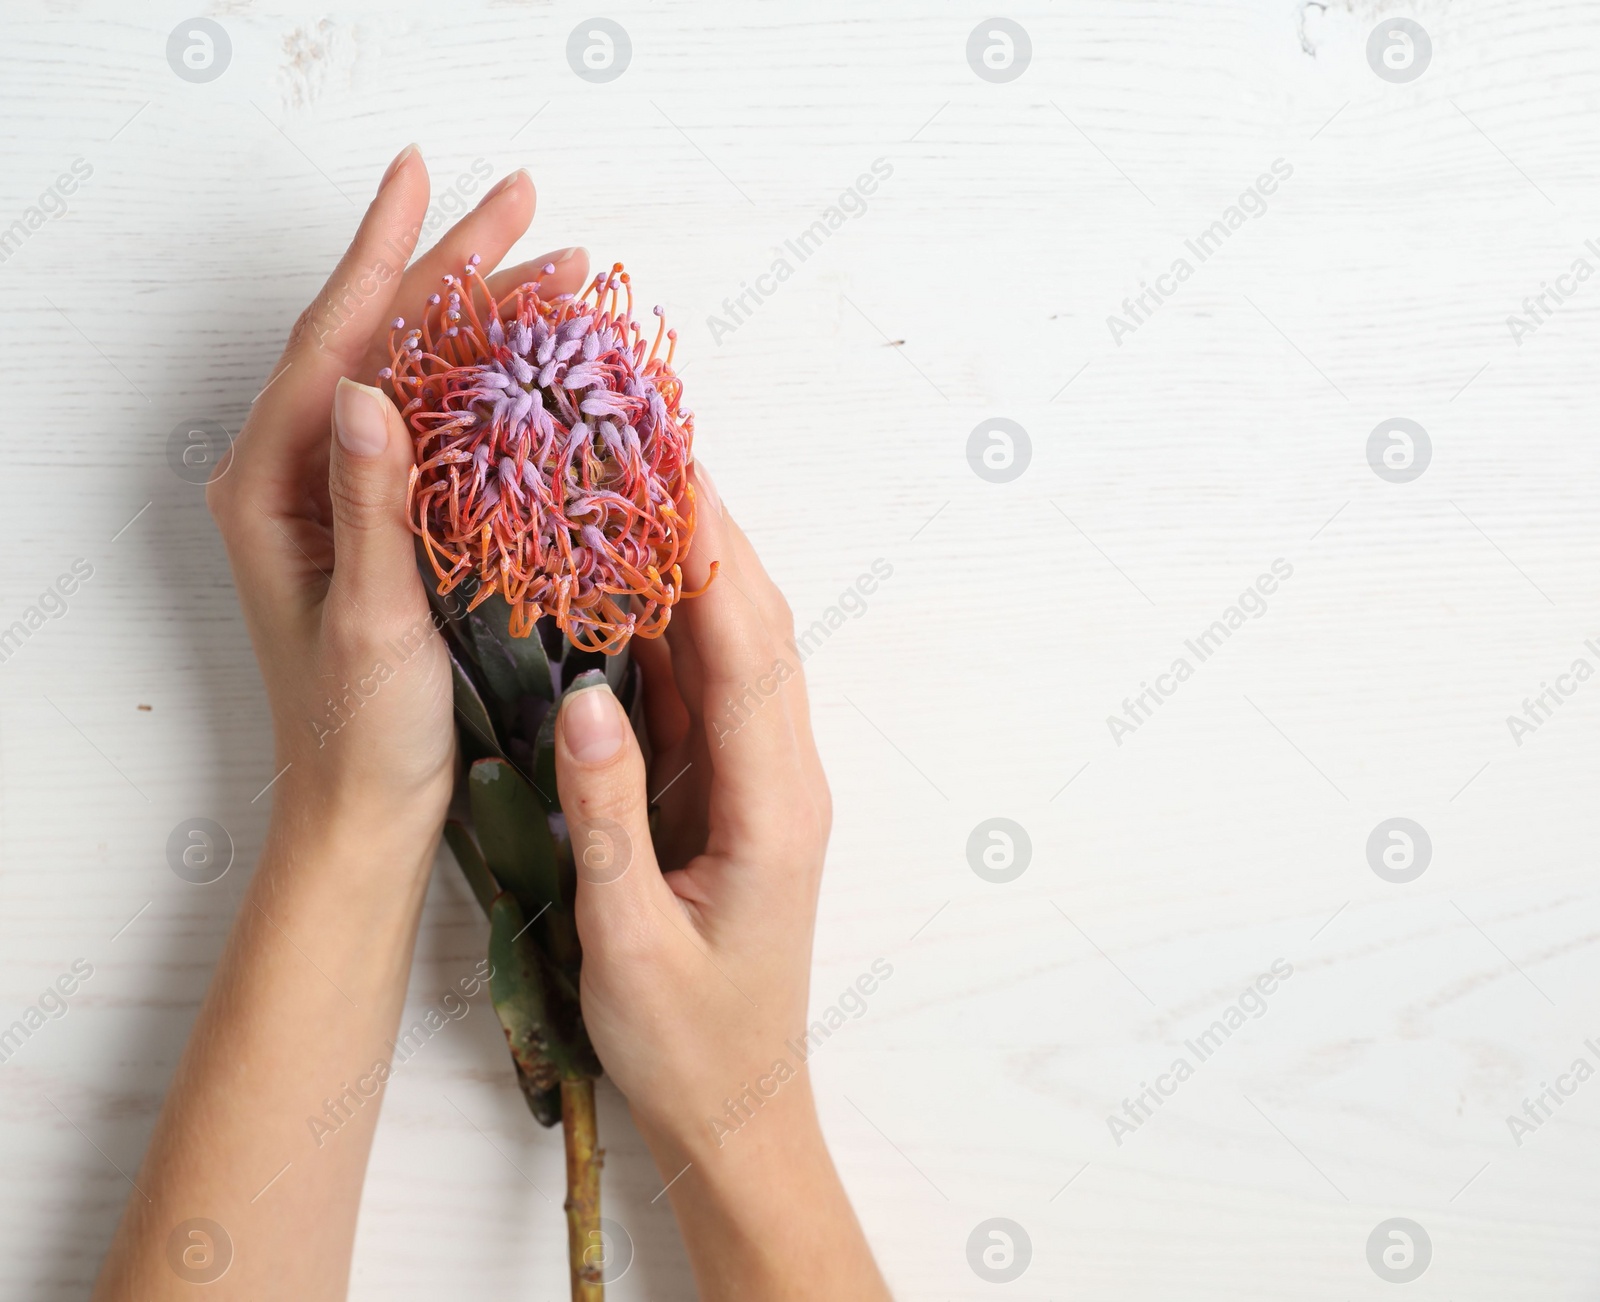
600, 775
368, 466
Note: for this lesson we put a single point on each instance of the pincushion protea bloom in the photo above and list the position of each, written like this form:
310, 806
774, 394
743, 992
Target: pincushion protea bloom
551, 498
552, 454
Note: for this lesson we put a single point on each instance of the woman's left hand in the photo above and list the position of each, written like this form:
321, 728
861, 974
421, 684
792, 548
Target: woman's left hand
311, 506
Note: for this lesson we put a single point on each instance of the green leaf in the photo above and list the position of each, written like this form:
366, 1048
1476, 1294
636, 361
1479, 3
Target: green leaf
514, 833
473, 866
516, 987
617, 665
542, 1021
632, 698
473, 726
513, 666
544, 759
499, 674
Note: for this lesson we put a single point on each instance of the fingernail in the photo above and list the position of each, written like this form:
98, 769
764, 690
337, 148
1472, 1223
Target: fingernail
566, 255
499, 186
708, 487
590, 719
359, 420
395, 166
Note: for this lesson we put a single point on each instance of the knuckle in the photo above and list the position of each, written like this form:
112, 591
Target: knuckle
749, 652
350, 635
359, 655
302, 327
621, 941
316, 325
360, 501
797, 830
229, 502
219, 501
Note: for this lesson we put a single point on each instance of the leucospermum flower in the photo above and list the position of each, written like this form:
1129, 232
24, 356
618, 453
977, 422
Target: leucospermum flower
552, 453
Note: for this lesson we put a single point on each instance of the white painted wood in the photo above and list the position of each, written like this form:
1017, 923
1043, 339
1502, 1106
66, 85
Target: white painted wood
1167, 472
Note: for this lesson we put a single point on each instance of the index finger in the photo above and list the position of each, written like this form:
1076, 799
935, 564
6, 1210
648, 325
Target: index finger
290, 415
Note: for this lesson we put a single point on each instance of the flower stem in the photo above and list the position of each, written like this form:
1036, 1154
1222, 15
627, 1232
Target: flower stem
585, 1250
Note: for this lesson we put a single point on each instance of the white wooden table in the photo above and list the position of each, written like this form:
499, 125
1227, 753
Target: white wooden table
1172, 462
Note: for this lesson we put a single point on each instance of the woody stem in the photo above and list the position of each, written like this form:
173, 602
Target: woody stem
585, 1250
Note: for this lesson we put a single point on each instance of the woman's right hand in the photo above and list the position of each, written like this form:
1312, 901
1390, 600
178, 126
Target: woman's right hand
695, 980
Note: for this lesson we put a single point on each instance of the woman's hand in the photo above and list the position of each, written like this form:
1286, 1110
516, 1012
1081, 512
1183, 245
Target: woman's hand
266, 1129
695, 981
311, 507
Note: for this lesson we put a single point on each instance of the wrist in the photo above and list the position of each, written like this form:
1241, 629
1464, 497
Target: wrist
762, 1209
314, 810
766, 1126
354, 839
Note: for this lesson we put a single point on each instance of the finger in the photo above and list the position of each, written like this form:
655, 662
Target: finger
735, 672
374, 559
678, 772
570, 274
775, 608
489, 230
758, 585
681, 808
780, 619
290, 413
666, 717
600, 775
752, 579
